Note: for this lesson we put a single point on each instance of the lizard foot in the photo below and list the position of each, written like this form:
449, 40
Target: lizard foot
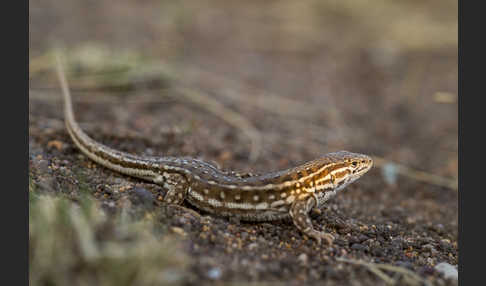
319, 236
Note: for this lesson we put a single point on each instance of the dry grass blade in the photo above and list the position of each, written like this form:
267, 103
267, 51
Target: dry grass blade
231, 117
77, 244
419, 175
264, 99
184, 209
409, 277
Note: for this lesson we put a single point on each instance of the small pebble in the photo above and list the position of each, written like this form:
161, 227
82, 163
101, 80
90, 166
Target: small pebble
389, 173
362, 238
178, 231
359, 247
377, 251
303, 258
55, 144
340, 242
448, 270
353, 240
244, 235
214, 273
142, 196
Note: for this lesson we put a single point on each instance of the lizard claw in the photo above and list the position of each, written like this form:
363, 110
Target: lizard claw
319, 236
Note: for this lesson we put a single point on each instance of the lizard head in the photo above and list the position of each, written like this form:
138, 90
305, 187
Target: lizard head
353, 167
341, 169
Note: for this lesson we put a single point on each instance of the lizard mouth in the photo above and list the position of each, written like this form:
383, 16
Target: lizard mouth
364, 169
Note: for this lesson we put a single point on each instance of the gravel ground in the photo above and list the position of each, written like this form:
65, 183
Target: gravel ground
389, 91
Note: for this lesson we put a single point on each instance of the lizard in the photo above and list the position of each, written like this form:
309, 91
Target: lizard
290, 193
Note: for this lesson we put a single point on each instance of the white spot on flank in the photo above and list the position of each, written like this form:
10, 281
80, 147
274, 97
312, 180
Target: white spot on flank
197, 196
277, 203
271, 197
206, 191
262, 206
243, 206
237, 197
215, 203
255, 198
222, 195
283, 195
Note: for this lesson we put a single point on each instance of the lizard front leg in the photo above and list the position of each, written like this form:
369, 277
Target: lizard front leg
299, 211
177, 188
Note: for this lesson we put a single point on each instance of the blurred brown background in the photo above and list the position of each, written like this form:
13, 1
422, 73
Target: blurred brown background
389, 66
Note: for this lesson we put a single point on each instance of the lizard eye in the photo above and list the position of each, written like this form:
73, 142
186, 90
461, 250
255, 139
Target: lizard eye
354, 164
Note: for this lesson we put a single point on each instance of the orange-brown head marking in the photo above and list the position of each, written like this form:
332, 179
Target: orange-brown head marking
337, 170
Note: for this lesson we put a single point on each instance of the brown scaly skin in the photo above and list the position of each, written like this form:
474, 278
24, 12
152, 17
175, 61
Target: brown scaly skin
271, 196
